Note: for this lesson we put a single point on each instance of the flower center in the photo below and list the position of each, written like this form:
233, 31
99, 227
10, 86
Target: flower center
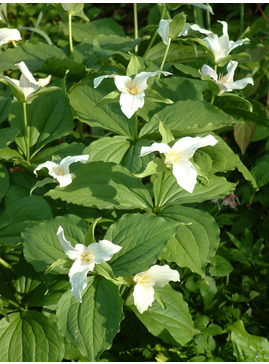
143, 278
86, 257
59, 170
172, 157
132, 88
222, 78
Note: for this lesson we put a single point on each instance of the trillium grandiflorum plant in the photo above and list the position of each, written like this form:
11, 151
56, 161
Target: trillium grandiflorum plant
156, 276
85, 258
226, 82
9, 35
179, 157
61, 171
27, 84
132, 90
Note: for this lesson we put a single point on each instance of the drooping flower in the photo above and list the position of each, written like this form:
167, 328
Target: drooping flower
85, 258
9, 35
178, 156
156, 276
231, 201
132, 90
226, 82
27, 84
61, 171
222, 46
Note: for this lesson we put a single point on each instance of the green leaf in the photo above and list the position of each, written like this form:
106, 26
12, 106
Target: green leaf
105, 186
4, 105
167, 135
48, 116
30, 336
91, 325
260, 171
243, 133
194, 243
155, 166
188, 117
58, 67
85, 99
173, 324
187, 70
20, 215
248, 347
42, 183
132, 159
4, 181
90, 237
42, 246
220, 267
7, 136
177, 25
133, 67
113, 96
143, 238
60, 151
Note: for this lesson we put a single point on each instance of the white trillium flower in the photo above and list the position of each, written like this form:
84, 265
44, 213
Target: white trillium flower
222, 46
178, 156
61, 171
27, 83
85, 258
9, 35
226, 82
163, 30
156, 276
132, 90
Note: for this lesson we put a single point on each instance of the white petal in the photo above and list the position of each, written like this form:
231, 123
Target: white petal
49, 165
206, 70
140, 79
123, 83
131, 103
187, 146
185, 174
195, 28
42, 82
155, 147
78, 277
224, 28
26, 73
213, 43
163, 30
64, 180
98, 80
238, 43
77, 158
11, 80
231, 67
103, 250
69, 250
143, 296
239, 84
162, 274
27, 87
8, 35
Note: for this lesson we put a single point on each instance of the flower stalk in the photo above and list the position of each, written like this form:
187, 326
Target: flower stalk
165, 56
27, 138
135, 25
70, 32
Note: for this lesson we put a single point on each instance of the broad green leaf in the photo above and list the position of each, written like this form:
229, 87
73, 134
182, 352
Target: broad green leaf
220, 267
173, 324
4, 181
7, 136
187, 70
108, 149
132, 160
58, 67
91, 325
188, 117
243, 133
177, 25
143, 238
194, 243
90, 236
116, 43
173, 194
61, 151
248, 347
10, 155
4, 105
260, 171
105, 186
84, 100
48, 116
42, 246
20, 215
167, 135
155, 166
133, 67
30, 336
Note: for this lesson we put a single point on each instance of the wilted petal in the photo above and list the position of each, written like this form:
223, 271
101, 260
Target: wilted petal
98, 80
42, 82
103, 250
143, 296
9, 35
186, 147
131, 103
69, 250
185, 174
162, 274
78, 277
163, 30
155, 147
206, 70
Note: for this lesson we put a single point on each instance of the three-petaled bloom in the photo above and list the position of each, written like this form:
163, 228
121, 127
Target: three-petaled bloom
85, 258
27, 84
178, 156
9, 35
132, 90
226, 82
222, 46
156, 276
61, 171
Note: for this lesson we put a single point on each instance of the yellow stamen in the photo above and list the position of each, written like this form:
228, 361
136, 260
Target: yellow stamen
132, 88
172, 157
87, 257
143, 278
222, 78
59, 170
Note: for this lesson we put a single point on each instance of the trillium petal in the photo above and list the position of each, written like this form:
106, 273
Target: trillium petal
123, 83
27, 87
185, 174
163, 30
9, 35
11, 80
69, 250
238, 43
42, 82
103, 250
98, 80
162, 274
206, 70
131, 103
49, 165
239, 84
195, 28
77, 158
78, 277
187, 146
224, 28
26, 73
143, 296
155, 147
63, 180
140, 79
231, 67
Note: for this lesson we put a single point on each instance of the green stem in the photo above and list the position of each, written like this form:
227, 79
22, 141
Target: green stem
27, 139
208, 20
70, 32
136, 125
212, 99
80, 129
160, 194
241, 18
165, 55
135, 25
